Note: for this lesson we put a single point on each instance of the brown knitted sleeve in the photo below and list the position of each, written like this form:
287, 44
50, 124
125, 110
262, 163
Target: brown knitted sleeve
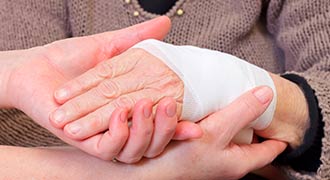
30, 23
25, 24
302, 31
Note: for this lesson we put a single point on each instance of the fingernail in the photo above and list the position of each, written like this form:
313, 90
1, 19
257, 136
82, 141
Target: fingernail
147, 111
263, 94
74, 129
171, 109
59, 116
61, 94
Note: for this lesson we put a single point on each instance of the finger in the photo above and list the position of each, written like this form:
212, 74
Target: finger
165, 125
108, 145
140, 133
242, 111
96, 48
107, 91
97, 121
119, 41
119, 65
187, 130
258, 155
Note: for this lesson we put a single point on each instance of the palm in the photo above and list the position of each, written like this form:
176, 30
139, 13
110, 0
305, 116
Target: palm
41, 70
38, 76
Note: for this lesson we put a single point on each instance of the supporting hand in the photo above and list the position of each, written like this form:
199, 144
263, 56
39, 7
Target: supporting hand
31, 76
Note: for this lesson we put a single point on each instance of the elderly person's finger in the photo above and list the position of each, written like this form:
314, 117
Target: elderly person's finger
112, 68
97, 121
100, 47
133, 71
108, 90
120, 78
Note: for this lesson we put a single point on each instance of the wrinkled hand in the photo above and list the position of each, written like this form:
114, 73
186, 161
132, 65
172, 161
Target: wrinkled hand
214, 156
39, 71
118, 82
290, 120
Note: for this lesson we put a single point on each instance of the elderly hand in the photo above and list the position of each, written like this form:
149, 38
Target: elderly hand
118, 82
31, 76
290, 120
121, 82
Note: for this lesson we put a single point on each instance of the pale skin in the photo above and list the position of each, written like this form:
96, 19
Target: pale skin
29, 78
136, 74
213, 156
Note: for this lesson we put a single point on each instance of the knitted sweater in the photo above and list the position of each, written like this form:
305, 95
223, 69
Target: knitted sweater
277, 35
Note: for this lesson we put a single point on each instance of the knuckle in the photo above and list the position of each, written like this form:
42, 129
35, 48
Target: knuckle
147, 132
79, 83
179, 93
140, 56
109, 89
138, 52
125, 102
109, 153
75, 106
168, 85
104, 69
169, 130
120, 138
97, 122
105, 48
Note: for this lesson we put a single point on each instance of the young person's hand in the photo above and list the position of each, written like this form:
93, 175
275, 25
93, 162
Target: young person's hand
147, 136
215, 155
30, 77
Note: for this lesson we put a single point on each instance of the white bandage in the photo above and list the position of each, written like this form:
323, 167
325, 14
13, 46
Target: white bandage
211, 80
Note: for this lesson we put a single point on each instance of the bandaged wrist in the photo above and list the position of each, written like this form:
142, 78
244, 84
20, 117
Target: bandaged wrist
211, 79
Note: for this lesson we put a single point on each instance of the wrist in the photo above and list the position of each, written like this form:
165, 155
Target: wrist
291, 119
6, 61
9, 61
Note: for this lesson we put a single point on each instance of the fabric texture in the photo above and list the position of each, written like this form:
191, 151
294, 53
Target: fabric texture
307, 155
277, 35
199, 68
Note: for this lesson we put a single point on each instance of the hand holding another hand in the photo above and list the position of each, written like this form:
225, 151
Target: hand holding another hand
214, 155
34, 74
119, 82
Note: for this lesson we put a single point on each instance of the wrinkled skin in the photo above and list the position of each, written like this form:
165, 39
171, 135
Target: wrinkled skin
118, 82
35, 73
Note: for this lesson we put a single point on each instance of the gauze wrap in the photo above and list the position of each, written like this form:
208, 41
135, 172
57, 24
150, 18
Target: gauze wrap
212, 80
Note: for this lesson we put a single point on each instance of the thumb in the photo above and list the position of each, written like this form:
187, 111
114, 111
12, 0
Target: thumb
76, 55
118, 41
259, 155
242, 111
